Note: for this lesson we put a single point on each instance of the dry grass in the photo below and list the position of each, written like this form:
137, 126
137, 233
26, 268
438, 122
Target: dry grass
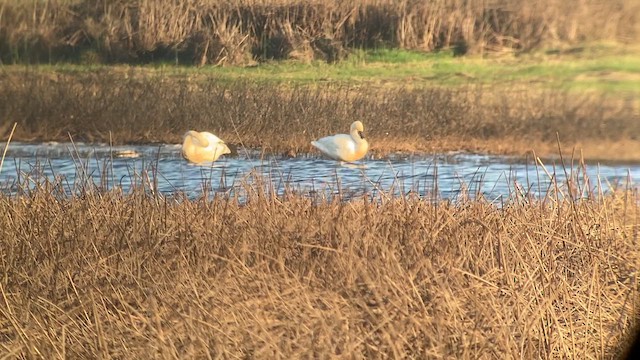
233, 32
136, 106
103, 274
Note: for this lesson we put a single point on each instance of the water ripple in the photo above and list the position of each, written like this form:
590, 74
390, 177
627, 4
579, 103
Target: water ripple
446, 175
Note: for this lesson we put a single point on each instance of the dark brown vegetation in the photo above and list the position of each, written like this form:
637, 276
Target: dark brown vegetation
102, 274
139, 106
237, 32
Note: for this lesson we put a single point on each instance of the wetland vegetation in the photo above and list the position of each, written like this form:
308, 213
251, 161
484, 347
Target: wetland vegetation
497, 76
135, 105
128, 275
105, 273
236, 32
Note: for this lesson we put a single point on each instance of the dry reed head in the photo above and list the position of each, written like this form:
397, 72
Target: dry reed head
231, 32
129, 275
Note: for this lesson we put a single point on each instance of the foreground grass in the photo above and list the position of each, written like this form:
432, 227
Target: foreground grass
128, 276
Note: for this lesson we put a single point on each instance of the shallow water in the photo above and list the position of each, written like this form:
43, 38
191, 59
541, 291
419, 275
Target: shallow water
442, 176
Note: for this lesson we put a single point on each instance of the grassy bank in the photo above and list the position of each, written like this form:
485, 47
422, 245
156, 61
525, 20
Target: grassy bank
600, 67
409, 102
604, 67
238, 32
112, 275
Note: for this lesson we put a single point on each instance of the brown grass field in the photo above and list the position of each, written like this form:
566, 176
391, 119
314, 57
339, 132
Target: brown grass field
111, 275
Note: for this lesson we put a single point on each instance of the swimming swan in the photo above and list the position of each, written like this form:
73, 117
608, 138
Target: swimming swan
344, 147
199, 147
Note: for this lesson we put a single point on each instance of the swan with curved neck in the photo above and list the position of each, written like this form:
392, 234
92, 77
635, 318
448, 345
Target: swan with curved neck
344, 147
200, 147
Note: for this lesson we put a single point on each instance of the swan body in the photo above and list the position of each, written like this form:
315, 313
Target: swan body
344, 147
200, 147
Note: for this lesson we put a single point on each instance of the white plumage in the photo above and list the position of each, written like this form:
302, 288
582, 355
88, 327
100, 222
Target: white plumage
344, 147
200, 147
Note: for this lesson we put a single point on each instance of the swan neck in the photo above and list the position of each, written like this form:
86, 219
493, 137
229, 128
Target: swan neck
356, 137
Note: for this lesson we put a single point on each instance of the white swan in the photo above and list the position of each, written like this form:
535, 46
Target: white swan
199, 147
343, 147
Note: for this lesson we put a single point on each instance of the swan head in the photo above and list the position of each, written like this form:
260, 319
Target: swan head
357, 128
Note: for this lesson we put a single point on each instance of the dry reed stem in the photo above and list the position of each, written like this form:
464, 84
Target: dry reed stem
6, 146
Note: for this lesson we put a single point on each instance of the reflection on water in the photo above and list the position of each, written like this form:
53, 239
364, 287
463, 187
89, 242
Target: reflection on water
444, 175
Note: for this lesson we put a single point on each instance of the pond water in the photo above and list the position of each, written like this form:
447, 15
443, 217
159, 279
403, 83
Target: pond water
161, 167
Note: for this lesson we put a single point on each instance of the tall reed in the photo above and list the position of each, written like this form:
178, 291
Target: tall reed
235, 32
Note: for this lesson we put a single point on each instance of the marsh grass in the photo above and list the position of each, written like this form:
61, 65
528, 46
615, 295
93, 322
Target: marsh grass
231, 32
104, 273
132, 105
